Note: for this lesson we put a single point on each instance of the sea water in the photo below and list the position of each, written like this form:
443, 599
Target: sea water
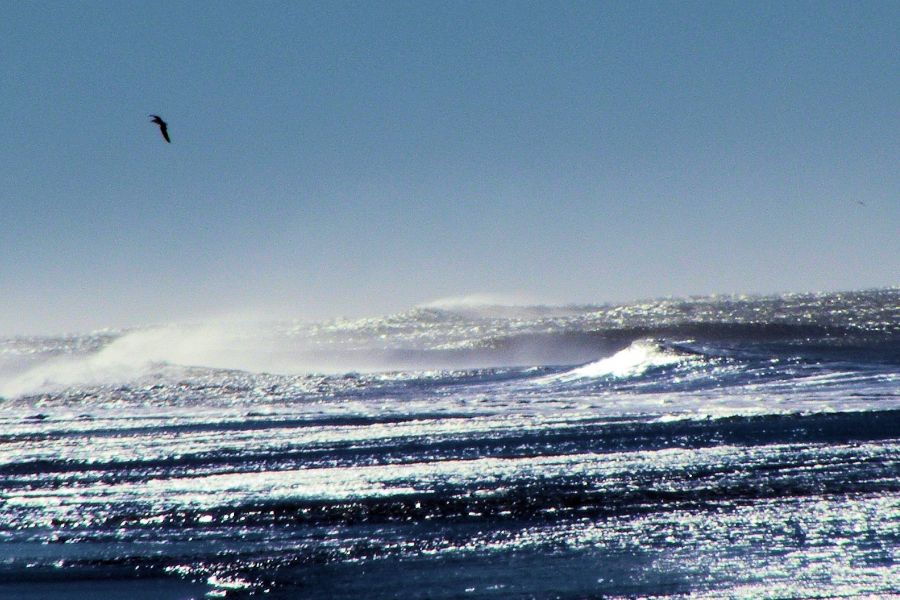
712, 447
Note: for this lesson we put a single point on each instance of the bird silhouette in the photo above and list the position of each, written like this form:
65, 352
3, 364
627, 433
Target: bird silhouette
163, 127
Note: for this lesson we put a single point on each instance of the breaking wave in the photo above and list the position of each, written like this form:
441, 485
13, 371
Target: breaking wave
635, 360
606, 341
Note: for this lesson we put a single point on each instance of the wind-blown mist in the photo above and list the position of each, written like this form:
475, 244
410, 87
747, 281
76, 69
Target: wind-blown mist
394, 343
456, 333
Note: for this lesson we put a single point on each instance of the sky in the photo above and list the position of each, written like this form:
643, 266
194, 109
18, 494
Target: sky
350, 159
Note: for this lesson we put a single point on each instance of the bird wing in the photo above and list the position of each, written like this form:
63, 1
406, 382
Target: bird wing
165, 132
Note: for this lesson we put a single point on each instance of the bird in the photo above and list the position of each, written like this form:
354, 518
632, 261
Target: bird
163, 127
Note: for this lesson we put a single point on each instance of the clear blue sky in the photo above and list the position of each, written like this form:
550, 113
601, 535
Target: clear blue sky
359, 158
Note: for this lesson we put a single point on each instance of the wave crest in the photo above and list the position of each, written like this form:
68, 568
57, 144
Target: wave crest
633, 361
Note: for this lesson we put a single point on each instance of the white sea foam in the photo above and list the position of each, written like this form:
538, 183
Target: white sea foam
634, 360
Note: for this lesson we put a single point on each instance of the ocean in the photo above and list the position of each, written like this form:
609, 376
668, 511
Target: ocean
714, 447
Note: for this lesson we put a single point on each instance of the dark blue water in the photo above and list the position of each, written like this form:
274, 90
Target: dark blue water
718, 447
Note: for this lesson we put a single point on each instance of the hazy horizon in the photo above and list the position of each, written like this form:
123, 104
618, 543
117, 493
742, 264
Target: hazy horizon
238, 318
359, 160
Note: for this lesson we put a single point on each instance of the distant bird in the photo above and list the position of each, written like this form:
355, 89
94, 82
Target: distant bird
163, 127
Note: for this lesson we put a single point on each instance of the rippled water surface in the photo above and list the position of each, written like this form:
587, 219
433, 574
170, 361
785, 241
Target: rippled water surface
717, 447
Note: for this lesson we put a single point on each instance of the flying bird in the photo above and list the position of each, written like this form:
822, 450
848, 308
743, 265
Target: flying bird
163, 127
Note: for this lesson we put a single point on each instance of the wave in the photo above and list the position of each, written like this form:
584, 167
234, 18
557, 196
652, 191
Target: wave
133, 355
122, 357
635, 360
860, 328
